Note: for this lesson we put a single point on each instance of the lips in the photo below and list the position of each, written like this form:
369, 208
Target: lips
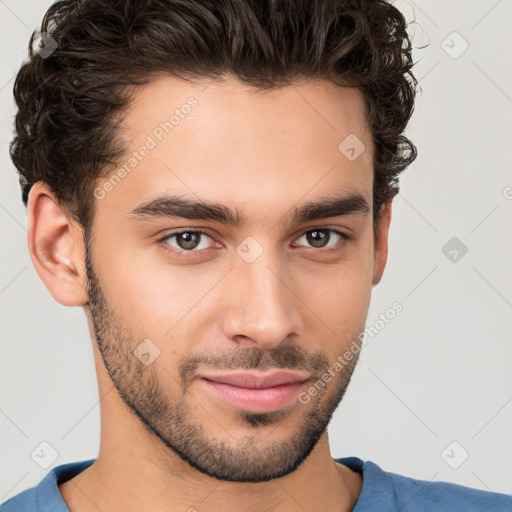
257, 380
256, 392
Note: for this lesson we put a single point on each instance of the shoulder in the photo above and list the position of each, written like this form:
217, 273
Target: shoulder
45, 495
23, 502
446, 496
387, 491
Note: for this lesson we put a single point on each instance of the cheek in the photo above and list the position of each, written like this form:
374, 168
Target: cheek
163, 302
339, 297
142, 298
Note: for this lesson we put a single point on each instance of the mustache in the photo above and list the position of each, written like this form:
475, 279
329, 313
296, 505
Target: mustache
254, 358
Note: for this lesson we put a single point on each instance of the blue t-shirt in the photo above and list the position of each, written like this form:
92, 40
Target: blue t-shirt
382, 491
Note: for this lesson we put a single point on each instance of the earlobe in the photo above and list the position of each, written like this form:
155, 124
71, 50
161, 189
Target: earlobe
56, 247
381, 242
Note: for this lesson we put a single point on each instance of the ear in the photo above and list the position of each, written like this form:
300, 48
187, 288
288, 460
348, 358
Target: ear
56, 247
381, 242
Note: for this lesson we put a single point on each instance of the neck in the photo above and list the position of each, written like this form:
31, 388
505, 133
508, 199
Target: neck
127, 480
147, 475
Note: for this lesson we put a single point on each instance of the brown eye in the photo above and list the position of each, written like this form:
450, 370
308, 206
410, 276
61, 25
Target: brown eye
320, 238
188, 239
185, 241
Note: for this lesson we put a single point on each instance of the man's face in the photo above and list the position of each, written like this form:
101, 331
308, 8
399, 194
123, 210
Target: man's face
271, 293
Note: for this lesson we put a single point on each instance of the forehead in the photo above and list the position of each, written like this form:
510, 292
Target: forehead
232, 143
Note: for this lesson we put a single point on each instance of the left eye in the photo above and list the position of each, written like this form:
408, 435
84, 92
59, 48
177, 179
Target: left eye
318, 238
190, 240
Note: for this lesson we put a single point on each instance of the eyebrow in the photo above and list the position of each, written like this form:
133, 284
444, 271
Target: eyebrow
175, 206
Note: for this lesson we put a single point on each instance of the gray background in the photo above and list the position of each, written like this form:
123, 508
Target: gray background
434, 385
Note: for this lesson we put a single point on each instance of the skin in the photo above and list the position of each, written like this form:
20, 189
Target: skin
295, 306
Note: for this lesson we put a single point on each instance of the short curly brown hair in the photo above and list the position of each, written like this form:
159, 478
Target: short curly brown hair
67, 128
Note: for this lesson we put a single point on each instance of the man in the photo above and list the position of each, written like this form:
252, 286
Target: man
212, 182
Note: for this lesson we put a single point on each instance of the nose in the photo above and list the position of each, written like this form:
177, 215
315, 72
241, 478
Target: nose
262, 306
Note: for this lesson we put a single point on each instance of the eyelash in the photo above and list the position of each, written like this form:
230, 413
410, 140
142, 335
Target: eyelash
180, 253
